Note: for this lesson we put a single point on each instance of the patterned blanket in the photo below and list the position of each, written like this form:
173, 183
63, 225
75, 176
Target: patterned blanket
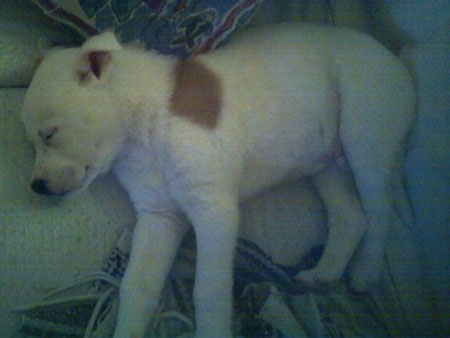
177, 27
268, 302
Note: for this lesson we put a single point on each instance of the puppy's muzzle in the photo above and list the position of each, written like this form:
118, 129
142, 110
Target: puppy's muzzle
40, 186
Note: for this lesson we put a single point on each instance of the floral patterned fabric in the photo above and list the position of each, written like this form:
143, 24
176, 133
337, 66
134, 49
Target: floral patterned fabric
179, 27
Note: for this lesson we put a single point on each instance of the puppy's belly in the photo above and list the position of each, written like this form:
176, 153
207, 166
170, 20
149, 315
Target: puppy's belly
258, 177
300, 149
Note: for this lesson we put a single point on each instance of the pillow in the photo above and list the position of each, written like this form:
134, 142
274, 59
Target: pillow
175, 27
46, 241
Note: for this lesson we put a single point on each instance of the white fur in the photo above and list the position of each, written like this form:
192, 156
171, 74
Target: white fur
293, 98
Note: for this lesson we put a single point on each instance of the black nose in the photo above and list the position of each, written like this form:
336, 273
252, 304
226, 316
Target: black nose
40, 187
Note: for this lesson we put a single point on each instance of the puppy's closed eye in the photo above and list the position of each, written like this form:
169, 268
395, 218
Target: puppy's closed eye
47, 133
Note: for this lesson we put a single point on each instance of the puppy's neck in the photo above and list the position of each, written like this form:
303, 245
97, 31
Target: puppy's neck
143, 84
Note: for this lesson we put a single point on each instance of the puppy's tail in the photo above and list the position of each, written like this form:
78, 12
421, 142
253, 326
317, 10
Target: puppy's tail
401, 199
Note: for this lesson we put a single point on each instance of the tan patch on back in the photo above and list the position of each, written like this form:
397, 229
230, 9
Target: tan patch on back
198, 94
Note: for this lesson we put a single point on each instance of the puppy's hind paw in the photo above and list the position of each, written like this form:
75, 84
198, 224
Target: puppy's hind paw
364, 278
316, 279
363, 283
224, 334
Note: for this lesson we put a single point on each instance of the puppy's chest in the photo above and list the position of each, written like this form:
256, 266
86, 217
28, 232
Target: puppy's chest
140, 172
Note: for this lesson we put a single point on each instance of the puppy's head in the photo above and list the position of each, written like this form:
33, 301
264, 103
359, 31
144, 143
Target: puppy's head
71, 117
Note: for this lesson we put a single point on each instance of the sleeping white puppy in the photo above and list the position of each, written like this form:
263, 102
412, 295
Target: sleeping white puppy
191, 138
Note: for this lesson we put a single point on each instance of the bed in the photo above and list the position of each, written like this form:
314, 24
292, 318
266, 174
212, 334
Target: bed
63, 260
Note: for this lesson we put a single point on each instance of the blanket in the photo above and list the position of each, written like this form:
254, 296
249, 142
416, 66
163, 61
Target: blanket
267, 301
171, 27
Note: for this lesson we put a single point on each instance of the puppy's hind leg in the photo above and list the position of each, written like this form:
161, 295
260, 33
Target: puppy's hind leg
374, 150
374, 181
376, 114
347, 224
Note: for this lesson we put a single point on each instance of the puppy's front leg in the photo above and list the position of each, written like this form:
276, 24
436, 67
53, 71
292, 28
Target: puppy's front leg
215, 224
156, 240
212, 206
203, 171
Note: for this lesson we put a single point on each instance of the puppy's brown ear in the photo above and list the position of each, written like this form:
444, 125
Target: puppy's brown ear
98, 63
96, 58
